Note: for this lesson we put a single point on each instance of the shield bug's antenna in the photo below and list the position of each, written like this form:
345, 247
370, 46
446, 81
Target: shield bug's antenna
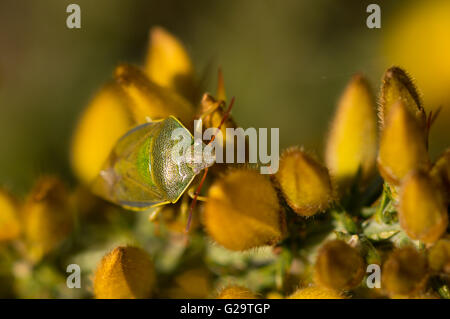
199, 187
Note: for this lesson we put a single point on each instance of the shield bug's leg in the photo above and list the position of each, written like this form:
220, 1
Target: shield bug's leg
191, 194
154, 214
197, 192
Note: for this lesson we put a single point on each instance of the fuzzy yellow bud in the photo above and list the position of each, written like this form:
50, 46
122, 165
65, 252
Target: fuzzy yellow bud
236, 292
191, 284
105, 119
48, 216
439, 256
404, 272
352, 141
402, 145
243, 211
168, 64
125, 273
304, 182
316, 292
440, 172
150, 100
338, 266
422, 211
10, 226
398, 87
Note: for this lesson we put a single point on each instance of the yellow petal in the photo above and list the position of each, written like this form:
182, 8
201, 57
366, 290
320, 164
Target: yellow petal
338, 266
402, 146
125, 273
106, 118
404, 272
422, 210
168, 63
315, 292
398, 87
150, 100
243, 211
351, 143
236, 292
304, 182
10, 226
48, 216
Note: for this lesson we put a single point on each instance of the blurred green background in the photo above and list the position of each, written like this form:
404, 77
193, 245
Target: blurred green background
285, 61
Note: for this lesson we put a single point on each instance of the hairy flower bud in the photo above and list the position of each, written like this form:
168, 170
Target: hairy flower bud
150, 100
10, 226
439, 256
168, 64
352, 141
422, 210
338, 266
236, 292
402, 145
243, 211
304, 182
316, 292
124, 273
404, 272
398, 87
48, 216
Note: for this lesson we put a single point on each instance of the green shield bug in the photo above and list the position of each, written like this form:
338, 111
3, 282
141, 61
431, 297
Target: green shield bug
145, 168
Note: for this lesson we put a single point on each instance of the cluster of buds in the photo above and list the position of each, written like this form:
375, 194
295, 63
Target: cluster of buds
308, 231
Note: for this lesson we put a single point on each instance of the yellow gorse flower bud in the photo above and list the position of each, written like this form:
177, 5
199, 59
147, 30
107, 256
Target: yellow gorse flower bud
168, 64
243, 211
404, 272
236, 292
47, 215
125, 273
10, 226
422, 210
338, 266
106, 118
304, 182
150, 100
440, 172
402, 145
316, 292
439, 256
398, 87
352, 141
